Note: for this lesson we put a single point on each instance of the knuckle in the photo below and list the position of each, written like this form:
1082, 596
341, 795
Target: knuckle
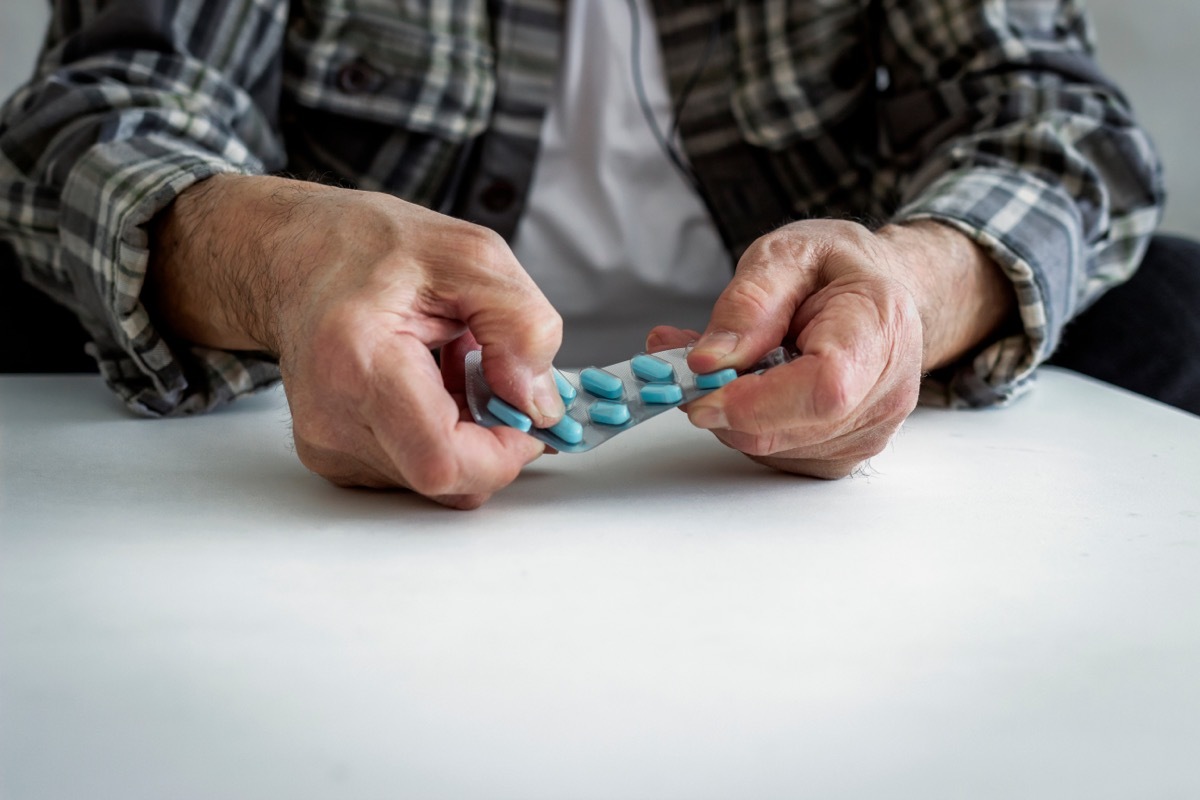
484, 245
869, 447
836, 470
749, 294
823, 469
780, 245
755, 435
543, 330
749, 443
509, 473
463, 502
832, 398
437, 474
762, 445
895, 406
795, 244
866, 444
329, 464
313, 458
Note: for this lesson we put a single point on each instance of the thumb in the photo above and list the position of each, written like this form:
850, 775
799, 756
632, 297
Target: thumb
752, 315
519, 333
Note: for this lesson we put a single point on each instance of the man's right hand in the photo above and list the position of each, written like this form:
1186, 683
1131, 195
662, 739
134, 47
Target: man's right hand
351, 291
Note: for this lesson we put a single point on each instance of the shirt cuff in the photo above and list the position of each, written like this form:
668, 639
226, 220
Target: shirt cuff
109, 198
1033, 231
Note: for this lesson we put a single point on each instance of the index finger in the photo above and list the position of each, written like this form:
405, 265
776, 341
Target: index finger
754, 312
515, 325
845, 351
419, 427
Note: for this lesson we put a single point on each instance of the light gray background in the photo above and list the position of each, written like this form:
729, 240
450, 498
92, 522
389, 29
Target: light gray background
1149, 46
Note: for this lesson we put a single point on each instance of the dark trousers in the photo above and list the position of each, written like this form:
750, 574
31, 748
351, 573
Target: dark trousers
1143, 336
36, 334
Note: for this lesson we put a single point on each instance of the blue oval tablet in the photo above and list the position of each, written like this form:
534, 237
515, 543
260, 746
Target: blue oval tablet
662, 393
509, 415
652, 368
565, 390
601, 383
568, 429
715, 380
603, 412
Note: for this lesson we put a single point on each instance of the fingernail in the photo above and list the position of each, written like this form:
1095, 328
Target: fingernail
717, 344
652, 340
546, 397
708, 417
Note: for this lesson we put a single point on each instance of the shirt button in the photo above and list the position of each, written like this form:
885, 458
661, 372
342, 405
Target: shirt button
358, 77
498, 196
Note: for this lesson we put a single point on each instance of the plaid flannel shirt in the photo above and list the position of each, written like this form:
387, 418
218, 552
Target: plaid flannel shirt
987, 115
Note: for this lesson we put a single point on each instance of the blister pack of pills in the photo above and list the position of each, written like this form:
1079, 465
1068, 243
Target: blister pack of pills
604, 401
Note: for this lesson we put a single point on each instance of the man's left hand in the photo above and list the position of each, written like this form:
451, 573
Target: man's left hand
868, 312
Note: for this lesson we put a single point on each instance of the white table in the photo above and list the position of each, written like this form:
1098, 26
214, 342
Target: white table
1008, 606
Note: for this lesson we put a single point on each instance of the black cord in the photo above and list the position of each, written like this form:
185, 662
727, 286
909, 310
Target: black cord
666, 142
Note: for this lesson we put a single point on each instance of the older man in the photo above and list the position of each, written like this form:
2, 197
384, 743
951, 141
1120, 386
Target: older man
468, 174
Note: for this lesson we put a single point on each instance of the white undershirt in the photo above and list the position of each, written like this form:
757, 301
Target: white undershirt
615, 237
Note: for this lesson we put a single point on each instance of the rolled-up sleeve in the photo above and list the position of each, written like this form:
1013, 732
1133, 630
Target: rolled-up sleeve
134, 101
1000, 124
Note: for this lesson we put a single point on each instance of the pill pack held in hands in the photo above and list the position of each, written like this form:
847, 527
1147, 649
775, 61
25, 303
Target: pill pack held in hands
604, 401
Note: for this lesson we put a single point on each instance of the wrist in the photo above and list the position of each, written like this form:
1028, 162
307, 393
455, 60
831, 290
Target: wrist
219, 260
963, 296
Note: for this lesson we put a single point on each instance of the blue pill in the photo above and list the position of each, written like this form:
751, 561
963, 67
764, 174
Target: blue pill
568, 429
565, 390
651, 368
662, 393
509, 415
715, 380
601, 383
603, 412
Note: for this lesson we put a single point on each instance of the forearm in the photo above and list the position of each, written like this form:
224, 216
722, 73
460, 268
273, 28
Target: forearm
999, 125
97, 145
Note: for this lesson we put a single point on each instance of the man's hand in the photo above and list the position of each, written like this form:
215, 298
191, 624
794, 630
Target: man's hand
869, 312
351, 291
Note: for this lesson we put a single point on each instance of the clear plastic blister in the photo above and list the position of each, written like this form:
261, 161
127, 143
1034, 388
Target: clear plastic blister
602, 402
